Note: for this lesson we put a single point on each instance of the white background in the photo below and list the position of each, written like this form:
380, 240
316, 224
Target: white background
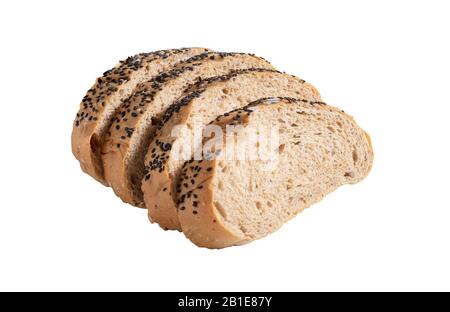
384, 62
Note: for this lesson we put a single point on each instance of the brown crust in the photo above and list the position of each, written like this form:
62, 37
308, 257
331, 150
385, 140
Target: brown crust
205, 229
157, 184
86, 143
197, 214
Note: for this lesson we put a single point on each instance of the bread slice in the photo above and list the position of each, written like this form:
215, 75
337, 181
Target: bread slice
225, 201
103, 98
169, 150
133, 125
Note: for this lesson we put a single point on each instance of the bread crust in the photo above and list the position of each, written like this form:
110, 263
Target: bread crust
208, 228
89, 124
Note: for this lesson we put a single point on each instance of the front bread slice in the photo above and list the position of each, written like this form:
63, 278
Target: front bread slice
181, 127
134, 122
229, 198
103, 98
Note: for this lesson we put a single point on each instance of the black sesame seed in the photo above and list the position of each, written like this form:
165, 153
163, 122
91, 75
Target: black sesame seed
166, 146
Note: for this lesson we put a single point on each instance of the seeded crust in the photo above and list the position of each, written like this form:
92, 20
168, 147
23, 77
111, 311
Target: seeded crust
101, 100
207, 222
211, 97
134, 122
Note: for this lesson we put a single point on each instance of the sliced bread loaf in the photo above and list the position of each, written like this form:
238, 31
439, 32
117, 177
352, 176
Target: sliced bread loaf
225, 201
180, 132
133, 125
99, 104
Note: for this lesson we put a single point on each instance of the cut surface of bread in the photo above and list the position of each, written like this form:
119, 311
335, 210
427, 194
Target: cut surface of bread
134, 122
226, 201
102, 99
180, 132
